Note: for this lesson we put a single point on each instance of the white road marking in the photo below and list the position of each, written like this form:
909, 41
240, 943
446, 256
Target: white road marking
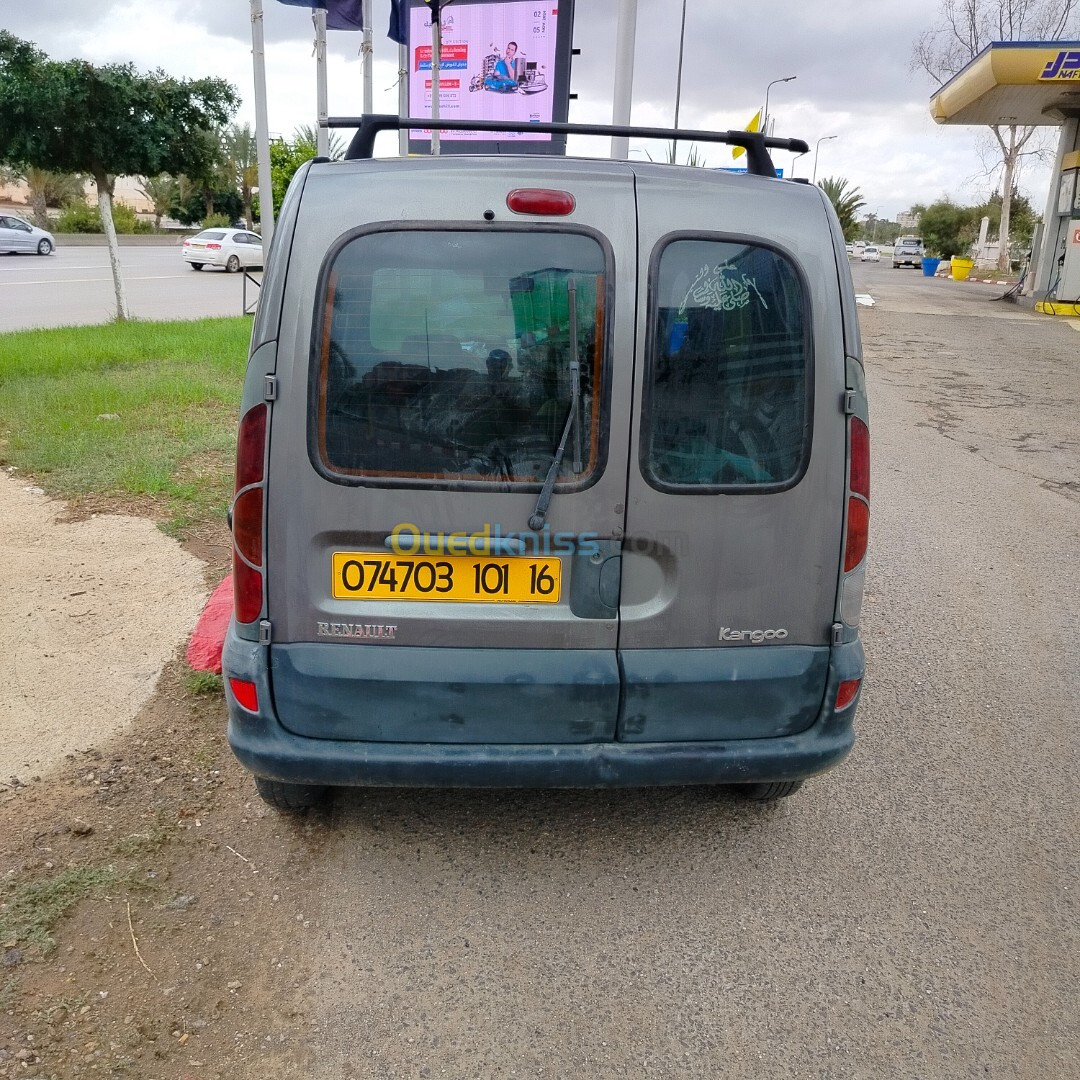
79, 281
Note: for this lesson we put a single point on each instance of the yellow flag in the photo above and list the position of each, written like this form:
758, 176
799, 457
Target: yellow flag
754, 124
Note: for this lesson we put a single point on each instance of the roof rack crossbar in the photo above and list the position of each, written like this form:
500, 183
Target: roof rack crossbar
754, 143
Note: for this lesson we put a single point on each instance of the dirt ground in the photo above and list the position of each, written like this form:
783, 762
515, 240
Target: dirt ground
151, 908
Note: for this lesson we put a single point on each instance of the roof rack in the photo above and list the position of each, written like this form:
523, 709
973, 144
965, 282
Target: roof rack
754, 143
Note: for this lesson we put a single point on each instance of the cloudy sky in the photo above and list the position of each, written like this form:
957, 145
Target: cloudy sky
851, 62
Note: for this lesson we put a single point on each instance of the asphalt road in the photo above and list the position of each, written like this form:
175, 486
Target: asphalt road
911, 914
74, 286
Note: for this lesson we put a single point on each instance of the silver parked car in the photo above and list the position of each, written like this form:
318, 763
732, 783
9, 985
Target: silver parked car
233, 249
17, 235
560, 479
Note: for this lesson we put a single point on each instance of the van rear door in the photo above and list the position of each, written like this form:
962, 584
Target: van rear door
409, 598
736, 482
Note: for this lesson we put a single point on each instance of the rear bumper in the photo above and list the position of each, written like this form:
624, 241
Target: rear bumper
205, 258
266, 748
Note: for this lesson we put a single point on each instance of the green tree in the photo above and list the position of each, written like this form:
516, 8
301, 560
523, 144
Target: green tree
285, 159
45, 188
1022, 218
108, 121
847, 202
243, 165
161, 191
335, 145
964, 29
946, 229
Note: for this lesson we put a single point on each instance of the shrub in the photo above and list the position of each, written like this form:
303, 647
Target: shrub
78, 216
216, 221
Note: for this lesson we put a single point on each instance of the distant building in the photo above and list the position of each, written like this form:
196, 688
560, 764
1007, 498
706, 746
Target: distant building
907, 220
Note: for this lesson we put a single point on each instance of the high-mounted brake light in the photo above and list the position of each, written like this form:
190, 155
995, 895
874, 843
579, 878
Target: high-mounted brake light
247, 516
545, 201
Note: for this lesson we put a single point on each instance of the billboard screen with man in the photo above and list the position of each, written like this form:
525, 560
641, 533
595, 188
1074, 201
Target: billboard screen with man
500, 60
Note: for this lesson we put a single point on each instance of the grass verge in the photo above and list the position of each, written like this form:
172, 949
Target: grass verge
28, 916
137, 409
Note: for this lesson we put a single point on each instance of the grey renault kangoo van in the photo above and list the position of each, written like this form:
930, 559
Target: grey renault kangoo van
550, 472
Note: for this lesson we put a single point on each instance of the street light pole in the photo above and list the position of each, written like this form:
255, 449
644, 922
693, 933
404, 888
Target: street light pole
824, 138
765, 115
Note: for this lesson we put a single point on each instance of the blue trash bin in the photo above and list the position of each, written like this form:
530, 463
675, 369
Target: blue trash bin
929, 267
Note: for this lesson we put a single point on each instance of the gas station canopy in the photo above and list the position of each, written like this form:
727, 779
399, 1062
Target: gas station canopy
1013, 82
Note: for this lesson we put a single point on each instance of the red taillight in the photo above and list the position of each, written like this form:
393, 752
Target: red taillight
860, 458
250, 447
214, 247
858, 533
845, 693
247, 517
547, 201
247, 525
245, 693
858, 506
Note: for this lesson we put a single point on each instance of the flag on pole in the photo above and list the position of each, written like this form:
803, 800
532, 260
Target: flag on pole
754, 125
340, 14
399, 22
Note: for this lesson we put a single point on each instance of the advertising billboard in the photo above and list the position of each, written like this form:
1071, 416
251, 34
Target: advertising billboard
500, 60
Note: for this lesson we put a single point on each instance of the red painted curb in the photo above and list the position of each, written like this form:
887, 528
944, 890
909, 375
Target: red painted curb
204, 649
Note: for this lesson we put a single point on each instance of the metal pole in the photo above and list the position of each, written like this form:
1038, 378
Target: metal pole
678, 79
436, 60
624, 75
368, 57
322, 132
403, 97
262, 131
817, 147
765, 115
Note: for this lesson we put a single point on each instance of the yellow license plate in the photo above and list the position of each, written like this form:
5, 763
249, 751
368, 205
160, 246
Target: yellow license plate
364, 575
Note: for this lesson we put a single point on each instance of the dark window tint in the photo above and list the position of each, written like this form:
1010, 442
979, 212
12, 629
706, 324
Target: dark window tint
447, 356
211, 234
730, 368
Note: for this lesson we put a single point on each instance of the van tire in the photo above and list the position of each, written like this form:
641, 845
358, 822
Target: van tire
290, 797
769, 792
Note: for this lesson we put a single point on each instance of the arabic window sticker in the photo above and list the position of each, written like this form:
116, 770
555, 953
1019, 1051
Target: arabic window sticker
722, 287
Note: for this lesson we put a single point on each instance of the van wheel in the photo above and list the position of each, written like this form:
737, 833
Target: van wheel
290, 797
769, 792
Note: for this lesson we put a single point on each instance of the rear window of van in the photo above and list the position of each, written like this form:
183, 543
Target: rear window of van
445, 356
729, 377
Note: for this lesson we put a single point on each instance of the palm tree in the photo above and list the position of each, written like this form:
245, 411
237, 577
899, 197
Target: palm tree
162, 192
847, 202
305, 133
243, 164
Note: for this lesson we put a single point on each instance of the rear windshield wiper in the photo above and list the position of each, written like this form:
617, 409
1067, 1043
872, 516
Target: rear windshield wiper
573, 420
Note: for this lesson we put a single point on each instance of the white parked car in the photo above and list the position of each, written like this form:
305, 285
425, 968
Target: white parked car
20, 236
870, 254
231, 248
